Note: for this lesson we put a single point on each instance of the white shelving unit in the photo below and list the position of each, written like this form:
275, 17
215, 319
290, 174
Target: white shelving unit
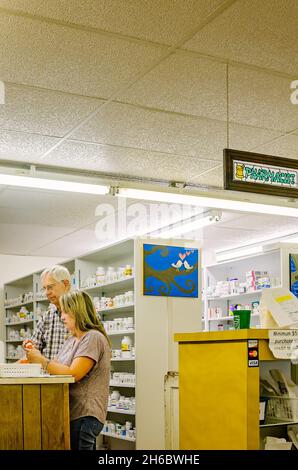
21, 322
17, 306
118, 436
275, 260
118, 384
124, 309
125, 412
19, 329
123, 332
125, 283
118, 255
120, 359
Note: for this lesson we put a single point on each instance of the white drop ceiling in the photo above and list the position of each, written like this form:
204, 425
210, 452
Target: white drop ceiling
141, 89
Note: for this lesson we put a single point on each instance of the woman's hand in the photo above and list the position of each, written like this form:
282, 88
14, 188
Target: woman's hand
28, 344
34, 356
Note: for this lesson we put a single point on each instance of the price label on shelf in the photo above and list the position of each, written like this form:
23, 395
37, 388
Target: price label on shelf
284, 344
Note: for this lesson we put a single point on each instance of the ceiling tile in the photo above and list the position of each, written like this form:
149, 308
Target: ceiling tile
248, 137
264, 224
254, 229
43, 112
131, 126
74, 244
49, 208
185, 84
167, 21
211, 178
129, 162
24, 147
216, 232
261, 100
67, 59
286, 147
31, 236
262, 33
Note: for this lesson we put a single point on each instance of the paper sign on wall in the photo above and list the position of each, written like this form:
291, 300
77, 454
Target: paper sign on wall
284, 344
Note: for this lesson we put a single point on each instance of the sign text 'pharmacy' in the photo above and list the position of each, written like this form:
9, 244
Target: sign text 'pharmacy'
269, 175
259, 173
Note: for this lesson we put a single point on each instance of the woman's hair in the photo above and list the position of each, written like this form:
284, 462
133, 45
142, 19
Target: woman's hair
79, 304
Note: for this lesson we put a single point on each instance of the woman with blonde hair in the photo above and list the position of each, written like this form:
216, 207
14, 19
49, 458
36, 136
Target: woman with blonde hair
86, 355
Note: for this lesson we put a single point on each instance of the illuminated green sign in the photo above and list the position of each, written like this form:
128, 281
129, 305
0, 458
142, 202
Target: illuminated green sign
258, 173
254, 173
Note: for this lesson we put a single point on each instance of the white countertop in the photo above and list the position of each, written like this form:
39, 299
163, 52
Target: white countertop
51, 379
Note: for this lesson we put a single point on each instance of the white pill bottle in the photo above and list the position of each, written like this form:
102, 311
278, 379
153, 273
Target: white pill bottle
126, 347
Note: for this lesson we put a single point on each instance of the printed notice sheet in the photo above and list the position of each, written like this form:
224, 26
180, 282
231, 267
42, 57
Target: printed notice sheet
284, 344
288, 309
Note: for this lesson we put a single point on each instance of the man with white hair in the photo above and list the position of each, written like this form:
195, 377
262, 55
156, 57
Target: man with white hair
50, 332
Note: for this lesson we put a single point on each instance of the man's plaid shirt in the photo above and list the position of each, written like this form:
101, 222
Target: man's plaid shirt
50, 333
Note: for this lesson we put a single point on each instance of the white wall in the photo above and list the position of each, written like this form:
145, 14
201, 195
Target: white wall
13, 267
157, 319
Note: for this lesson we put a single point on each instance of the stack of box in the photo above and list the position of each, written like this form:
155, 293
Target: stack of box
222, 289
257, 280
214, 312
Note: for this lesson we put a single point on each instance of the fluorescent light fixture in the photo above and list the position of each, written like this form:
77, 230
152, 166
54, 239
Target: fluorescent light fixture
238, 253
212, 202
188, 225
290, 240
56, 185
261, 246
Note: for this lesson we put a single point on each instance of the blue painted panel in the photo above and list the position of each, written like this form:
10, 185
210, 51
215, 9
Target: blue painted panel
170, 271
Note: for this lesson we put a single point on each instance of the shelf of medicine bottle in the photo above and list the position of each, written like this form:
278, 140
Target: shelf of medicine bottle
15, 340
10, 307
123, 412
230, 317
123, 359
124, 283
117, 436
125, 308
281, 423
116, 384
122, 332
12, 358
232, 296
42, 299
23, 322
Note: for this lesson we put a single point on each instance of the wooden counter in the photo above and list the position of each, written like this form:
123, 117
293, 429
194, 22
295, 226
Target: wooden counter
219, 389
34, 413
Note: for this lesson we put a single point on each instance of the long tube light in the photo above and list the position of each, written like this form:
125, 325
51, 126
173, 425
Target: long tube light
58, 185
169, 197
194, 223
238, 253
261, 246
212, 202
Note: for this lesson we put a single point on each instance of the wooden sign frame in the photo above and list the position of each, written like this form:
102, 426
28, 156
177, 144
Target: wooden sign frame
231, 155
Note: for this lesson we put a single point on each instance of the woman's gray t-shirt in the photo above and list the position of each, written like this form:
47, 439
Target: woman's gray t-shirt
89, 396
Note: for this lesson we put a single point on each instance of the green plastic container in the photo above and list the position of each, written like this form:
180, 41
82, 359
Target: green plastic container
241, 319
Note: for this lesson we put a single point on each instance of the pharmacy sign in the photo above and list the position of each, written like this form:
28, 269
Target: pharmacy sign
245, 171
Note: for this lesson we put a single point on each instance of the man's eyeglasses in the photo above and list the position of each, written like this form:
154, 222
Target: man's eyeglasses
50, 287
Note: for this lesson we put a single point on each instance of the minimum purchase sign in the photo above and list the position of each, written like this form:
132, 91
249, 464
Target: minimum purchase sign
284, 344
